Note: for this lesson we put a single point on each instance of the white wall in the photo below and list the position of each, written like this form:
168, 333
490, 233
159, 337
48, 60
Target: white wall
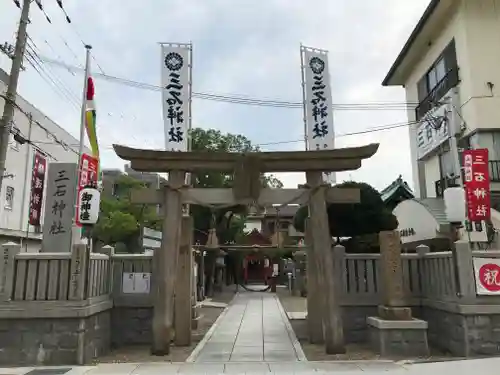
475, 26
450, 29
412, 215
481, 106
20, 159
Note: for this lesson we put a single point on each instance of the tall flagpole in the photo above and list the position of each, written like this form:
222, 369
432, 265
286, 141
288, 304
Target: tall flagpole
82, 134
84, 103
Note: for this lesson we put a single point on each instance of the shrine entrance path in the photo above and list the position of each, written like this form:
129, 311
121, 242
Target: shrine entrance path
253, 328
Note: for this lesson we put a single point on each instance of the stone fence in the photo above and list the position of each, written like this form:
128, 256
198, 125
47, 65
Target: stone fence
441, 289
54, 307
69, 308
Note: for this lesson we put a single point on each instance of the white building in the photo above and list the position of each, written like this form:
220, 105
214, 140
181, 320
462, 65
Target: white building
451, 54
46, 136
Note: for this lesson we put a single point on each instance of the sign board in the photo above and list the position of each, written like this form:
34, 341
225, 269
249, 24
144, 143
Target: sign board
176, 94
88, 205
59, 207
136, 283
487, 275
317, 99
477, 184
433, 129
87, 177
37, 184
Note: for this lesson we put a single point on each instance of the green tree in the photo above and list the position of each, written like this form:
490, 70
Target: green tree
353, 220
120, 221
229, 220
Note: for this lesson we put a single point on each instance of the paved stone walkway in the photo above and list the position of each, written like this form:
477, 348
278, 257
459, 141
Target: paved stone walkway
254, 328
480, 367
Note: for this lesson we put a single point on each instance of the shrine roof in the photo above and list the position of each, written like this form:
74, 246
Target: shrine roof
255, 238
397, 187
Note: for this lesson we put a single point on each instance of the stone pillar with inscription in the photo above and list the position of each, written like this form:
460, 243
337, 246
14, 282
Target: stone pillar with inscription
59, 207
394, 332
299, 288
393, 298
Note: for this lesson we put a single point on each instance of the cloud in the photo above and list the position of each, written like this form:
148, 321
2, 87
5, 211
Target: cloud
251, 49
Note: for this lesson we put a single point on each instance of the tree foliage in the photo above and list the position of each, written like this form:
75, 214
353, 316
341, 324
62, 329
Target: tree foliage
120, 221
229, 220
350, 220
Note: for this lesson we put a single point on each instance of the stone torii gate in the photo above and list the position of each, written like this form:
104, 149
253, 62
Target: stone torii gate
247, 189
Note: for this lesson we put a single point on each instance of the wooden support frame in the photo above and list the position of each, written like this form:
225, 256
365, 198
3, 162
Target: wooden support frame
267, 198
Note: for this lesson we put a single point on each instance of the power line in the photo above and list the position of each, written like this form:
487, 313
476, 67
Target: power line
235, 98
34, 59
63, 144
370, 130
367, 131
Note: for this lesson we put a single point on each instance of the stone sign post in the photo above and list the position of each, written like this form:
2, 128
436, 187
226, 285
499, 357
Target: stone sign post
59, 207
393, 298
394, 332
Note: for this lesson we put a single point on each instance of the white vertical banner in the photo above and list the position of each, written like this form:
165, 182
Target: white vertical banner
176, 63
317, 96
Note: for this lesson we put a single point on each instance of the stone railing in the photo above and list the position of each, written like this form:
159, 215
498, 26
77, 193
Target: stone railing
425, 275
438, 277
74, 276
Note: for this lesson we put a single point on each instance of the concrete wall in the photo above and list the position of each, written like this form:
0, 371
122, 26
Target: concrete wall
463, 335
54, 341
131, 326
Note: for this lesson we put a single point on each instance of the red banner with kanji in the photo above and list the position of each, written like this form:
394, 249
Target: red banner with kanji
477, 184
87, 176
37, 183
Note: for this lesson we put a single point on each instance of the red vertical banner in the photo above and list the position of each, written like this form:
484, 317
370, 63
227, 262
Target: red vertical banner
477, 184
87, 176
36, 193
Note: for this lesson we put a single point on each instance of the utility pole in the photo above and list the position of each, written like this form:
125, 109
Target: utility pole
8, 110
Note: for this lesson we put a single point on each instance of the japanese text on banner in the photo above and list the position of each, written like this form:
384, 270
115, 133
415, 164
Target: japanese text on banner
318, 100
176, 95
37, 183
87, 176
477, 184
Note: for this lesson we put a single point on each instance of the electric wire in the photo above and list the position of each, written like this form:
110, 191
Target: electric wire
238, 98
367, 131
68, 94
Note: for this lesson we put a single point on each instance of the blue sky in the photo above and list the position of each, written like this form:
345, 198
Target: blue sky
240, 47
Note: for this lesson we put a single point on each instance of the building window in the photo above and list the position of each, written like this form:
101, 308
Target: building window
439, 79
436, 74
270, 226
114, 189
495, 153
9, 198
284, 225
